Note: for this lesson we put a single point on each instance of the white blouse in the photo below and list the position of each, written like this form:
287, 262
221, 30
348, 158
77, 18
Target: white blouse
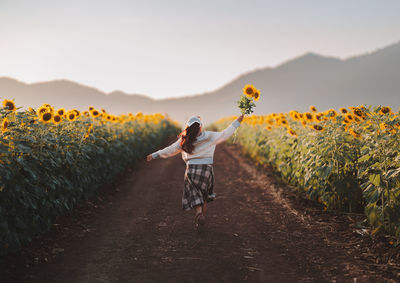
204, 146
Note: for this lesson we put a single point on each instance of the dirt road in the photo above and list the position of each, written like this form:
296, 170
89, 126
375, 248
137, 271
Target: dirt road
136, 231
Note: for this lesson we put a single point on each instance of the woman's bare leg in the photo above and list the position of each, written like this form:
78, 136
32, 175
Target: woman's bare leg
199, 209
204, 208
199, 216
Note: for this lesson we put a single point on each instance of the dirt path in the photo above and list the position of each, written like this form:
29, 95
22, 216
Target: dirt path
136, 231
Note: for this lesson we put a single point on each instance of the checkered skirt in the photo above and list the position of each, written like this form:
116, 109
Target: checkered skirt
198, 185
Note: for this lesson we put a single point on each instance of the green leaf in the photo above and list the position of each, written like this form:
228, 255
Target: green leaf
326, 171
364, 158
23, 148
375, 179
392, 173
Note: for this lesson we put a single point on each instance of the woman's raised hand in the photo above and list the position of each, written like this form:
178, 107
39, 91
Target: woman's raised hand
240, 119
149, 157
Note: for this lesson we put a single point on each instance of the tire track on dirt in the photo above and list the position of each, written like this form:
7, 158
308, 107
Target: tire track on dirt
328, 241
265, 182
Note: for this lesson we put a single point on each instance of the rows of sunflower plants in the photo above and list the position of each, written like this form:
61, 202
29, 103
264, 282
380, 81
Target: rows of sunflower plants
51, 159
347, 160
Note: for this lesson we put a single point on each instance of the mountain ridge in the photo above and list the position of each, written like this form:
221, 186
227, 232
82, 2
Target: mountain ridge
310, 78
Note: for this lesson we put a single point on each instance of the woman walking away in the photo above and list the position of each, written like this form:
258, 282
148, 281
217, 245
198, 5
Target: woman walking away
197, 148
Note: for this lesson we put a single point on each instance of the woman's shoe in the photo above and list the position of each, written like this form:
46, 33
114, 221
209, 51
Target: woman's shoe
202, 220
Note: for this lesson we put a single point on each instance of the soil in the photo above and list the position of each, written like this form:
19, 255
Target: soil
257, 230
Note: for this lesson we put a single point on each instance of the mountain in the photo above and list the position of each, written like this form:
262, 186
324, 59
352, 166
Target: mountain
310, 79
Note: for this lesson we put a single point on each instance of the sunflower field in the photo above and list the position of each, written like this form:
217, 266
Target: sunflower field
347, 160
51, 159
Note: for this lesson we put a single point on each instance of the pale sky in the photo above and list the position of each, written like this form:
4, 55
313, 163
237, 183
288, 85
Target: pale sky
171, 48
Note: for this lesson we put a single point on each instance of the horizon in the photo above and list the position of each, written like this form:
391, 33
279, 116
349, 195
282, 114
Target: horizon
187, 48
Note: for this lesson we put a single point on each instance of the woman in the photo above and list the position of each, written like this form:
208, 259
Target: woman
197, 148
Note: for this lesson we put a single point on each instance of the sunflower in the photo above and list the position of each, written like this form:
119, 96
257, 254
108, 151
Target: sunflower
313, 108
46, 117
270, 121
249, 90
284, 123
71, 115
358, 112
50, 109
383, 126
354, 134
9, 104
294, 114
42, 110
292, 132
331, 113
308, 117
317, 127
4, 125
318, 117
103, 110
349, 117
91, 108
256, 95
95, 113
384, 110
57, 119
60, 112
86, 113
30, 109
301, 115
77, 112
343, 110
268, 128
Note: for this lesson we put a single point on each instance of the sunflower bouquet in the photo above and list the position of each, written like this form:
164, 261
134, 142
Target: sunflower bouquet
246, 101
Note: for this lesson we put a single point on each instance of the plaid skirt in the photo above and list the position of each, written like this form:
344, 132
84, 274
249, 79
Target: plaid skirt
198, 185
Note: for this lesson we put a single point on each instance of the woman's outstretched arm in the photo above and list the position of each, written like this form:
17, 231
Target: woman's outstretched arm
169, 151
219, 137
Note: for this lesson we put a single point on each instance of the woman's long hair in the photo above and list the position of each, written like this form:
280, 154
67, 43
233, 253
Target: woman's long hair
188, 136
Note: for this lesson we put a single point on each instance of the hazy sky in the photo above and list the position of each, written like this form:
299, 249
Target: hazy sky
172, 48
